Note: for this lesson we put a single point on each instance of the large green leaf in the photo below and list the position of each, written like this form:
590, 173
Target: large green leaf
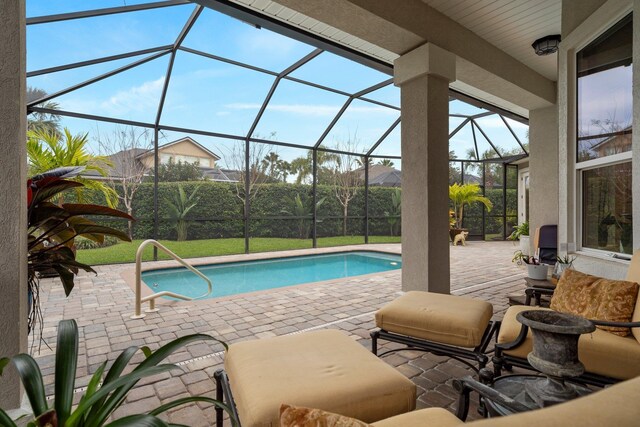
152, 360
141, 420
116, 369
66, 363
131, 378
87, 209
5, 420
66, 277
82, 229
50, 187
32, 382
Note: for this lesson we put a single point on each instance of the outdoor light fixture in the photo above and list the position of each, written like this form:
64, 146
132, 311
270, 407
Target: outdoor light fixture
546, 45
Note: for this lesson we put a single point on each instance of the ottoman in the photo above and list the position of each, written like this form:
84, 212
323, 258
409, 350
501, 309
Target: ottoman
321, 369
442, 324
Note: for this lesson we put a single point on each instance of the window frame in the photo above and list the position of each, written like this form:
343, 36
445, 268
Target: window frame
580, 167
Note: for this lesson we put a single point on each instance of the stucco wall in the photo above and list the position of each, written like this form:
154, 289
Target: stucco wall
13, 208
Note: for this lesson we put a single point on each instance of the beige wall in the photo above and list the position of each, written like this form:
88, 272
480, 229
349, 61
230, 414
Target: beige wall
13, 209
184, 148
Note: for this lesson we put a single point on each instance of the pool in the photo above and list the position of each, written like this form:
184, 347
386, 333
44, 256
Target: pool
249, 276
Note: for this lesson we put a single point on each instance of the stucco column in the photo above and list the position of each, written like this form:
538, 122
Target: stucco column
423, 76
543, 168
13, 208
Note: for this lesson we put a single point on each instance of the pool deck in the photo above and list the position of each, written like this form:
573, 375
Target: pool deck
102, 305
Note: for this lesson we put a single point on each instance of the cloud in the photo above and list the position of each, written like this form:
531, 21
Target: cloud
266, 42
318, 110
136, 98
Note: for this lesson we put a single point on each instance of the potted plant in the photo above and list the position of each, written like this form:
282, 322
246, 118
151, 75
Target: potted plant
562, 263
53, 227
105, 392
521, 233
460, 196
535, 269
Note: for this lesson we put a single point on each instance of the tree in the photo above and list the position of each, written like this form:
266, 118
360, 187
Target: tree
302, 212
45, 122
256, 175
461, 195
393, 214
345, 179
179, 205
123, 145
303, 167
179, 171
386, 162
277, 169
49, 150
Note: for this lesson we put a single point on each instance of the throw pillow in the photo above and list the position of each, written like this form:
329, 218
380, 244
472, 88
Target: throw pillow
596, 298
292, 416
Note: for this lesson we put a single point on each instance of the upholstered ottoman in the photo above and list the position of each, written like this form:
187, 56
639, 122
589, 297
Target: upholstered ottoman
444, 324
322, 369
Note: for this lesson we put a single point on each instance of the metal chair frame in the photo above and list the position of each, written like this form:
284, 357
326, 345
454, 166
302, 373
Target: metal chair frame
478, 354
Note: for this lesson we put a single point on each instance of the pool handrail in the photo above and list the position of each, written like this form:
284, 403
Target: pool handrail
152, 298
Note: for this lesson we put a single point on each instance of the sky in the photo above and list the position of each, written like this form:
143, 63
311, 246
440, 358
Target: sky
210, 95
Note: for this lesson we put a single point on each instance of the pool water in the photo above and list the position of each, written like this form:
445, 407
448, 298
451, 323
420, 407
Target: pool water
258, 275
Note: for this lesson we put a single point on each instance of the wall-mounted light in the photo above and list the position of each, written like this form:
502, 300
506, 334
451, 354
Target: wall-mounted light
546, 45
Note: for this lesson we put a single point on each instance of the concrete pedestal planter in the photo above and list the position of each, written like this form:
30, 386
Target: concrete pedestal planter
524, 245
537, 272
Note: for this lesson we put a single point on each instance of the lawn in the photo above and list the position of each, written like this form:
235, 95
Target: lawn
126, 252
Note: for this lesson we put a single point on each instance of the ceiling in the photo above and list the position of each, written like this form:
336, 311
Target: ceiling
510, 25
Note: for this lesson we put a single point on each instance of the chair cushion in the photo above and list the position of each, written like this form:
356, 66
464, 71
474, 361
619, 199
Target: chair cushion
445, 319
435, 417
601, 352
322, 369
613, 406
596, 298
633, 275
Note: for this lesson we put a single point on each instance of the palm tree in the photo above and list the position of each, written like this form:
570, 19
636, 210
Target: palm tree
461, 195
42, 121
179, 205
47, 150
386, 162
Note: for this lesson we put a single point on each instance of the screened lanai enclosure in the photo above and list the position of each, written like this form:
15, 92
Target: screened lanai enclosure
215, 125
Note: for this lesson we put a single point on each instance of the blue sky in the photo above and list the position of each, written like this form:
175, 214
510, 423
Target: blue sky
214, 96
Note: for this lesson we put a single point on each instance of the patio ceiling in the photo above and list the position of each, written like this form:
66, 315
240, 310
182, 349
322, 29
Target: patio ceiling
191, 53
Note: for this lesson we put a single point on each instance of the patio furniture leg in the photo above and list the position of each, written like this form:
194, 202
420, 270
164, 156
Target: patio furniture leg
219, 397
374, 341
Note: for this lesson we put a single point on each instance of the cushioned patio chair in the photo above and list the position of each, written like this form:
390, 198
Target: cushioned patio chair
448, 325
614, 406
325, 369
608, 358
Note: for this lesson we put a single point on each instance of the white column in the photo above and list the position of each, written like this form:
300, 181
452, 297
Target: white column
423, 76
13, 208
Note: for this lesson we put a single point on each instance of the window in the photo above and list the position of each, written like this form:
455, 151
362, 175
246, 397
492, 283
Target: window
604, 129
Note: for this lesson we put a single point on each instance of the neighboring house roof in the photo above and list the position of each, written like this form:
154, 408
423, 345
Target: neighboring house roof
392, 178
217, 174
233, 175
178, 141
119, 161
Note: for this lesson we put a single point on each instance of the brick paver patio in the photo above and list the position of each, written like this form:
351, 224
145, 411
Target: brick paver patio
102, 306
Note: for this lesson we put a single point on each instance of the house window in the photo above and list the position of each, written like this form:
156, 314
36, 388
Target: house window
604, 129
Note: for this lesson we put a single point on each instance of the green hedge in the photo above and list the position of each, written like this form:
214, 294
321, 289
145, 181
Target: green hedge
218, 213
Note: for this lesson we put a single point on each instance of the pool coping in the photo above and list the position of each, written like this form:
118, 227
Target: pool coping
129, 275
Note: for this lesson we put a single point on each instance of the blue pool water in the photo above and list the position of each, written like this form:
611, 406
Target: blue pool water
249, 276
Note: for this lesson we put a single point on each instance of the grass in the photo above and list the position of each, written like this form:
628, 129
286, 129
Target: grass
126, 252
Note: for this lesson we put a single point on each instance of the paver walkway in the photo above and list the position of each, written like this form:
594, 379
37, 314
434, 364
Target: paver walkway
102, 305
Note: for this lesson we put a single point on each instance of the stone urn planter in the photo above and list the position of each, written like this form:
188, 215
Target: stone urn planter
555, 354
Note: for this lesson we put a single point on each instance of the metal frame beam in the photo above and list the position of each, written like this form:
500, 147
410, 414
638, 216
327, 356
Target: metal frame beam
487, 138
102, 12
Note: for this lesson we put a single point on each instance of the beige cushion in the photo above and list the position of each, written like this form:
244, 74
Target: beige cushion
614, 406
596, 298
601, 352
430, 417
633, 275
435, 317
296, 416
323, 369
